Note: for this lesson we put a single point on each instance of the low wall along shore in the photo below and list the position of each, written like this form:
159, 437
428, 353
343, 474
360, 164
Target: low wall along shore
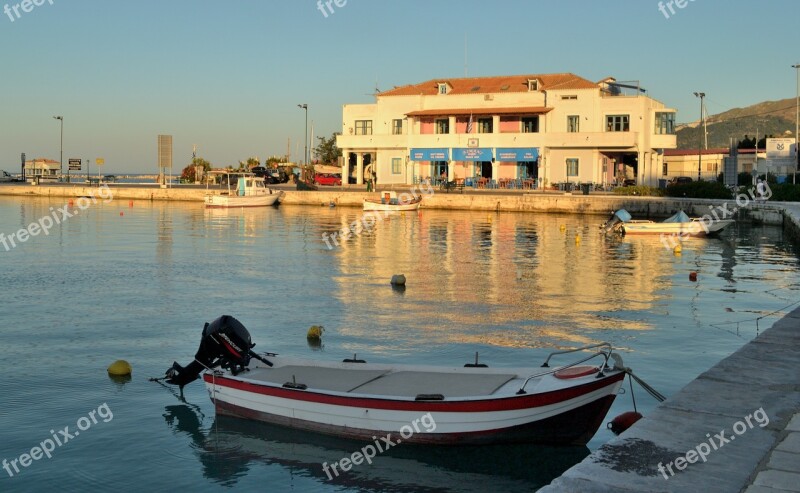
776, 213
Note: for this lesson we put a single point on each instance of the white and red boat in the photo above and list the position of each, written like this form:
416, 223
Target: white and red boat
472, 404
389, 201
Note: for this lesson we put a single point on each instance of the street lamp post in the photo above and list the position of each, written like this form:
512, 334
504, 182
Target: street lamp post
304, 106
305, 151
796, 126
700, 95
61, 159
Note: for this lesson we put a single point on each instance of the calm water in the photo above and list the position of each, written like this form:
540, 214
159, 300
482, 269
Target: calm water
138, 282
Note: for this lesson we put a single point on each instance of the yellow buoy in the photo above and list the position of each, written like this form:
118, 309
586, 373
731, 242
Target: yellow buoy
577, 239
677, 250
120, 368
562, 227
315, 332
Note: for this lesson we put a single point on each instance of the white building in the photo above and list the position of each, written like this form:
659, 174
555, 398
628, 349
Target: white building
544, 128
43, 168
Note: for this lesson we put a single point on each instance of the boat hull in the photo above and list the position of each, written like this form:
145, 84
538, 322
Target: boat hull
372, 205
693, 228
227, 201
567, 416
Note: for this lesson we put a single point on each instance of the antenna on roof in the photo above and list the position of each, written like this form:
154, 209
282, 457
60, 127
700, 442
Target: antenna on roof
377, 90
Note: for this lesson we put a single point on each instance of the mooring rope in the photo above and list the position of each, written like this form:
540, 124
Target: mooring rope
650, 390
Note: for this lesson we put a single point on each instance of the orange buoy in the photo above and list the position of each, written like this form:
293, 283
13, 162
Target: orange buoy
130, 203
121, 213
693, 276
623, 422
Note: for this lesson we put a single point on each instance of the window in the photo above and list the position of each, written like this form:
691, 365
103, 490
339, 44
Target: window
573, 124
618, 123
485, 125
664, 169
572, 167
665, 123
397, 127
530, 124
570, 97
363, 127
397, 165
442, 88
443, 126
533, 85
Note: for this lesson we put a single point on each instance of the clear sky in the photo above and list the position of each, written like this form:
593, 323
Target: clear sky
228, 75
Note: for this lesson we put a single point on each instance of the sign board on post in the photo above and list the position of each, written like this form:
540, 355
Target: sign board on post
74, 164
100, 161
781, 153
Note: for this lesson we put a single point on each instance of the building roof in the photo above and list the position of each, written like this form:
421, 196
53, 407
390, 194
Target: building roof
693, 152
498, 84
524, 110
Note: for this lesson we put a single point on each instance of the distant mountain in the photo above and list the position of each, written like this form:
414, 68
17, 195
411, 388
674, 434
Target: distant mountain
768, 118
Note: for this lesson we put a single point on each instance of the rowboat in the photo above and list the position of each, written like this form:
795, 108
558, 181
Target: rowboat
389, 201
470, 404
250, 191
677, 225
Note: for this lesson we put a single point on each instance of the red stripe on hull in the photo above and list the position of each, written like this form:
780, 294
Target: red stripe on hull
575, 427
525, 401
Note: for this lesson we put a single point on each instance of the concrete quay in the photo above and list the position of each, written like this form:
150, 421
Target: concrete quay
761, 380
474, 200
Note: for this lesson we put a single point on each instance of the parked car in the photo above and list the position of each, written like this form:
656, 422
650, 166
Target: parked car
327, 179
680, 180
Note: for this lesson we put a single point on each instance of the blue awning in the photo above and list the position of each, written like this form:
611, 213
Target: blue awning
472, 154
517, 153
435, 154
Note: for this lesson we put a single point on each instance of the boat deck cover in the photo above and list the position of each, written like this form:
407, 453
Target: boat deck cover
413, 383
335, 379
385, 382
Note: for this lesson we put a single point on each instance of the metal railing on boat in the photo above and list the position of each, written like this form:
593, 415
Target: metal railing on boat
605, 353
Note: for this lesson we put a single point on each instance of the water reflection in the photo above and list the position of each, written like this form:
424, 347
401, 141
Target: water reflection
229, 448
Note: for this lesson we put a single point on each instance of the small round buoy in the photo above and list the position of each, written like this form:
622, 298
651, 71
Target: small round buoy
623, 422
130, 203
315, 332
677, 250
693, 276
120, 368
70, 203
577, 239
121, 213
563, 227
398, 280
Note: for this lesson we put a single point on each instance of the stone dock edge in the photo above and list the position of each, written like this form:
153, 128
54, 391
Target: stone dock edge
760, 380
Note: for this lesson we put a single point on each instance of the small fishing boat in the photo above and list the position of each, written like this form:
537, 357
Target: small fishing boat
678, 225
389, 201
469, 404
250, 191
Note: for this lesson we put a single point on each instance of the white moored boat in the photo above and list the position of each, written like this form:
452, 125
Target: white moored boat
678, 225
389, 201
250, 191
472, 404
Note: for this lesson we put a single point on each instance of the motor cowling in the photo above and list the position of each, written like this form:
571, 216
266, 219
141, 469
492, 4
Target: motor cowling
225, 343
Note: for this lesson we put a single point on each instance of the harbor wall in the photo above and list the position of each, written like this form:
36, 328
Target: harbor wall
551, 202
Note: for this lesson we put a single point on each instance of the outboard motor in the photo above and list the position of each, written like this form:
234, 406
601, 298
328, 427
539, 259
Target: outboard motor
613, 222
225, 343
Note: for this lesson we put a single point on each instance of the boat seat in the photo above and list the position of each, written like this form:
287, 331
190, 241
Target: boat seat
575, 372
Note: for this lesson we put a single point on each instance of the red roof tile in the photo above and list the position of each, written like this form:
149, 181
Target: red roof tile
499, 84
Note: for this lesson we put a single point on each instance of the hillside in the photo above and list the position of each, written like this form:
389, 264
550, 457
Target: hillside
769, 117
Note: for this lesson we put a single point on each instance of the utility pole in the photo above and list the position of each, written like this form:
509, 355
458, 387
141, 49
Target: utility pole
700, 95
61, 159
796, 127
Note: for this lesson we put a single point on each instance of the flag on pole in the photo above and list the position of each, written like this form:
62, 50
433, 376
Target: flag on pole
469, 124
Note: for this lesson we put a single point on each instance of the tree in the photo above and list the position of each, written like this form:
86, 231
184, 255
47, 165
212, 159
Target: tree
327, 151
188, 173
